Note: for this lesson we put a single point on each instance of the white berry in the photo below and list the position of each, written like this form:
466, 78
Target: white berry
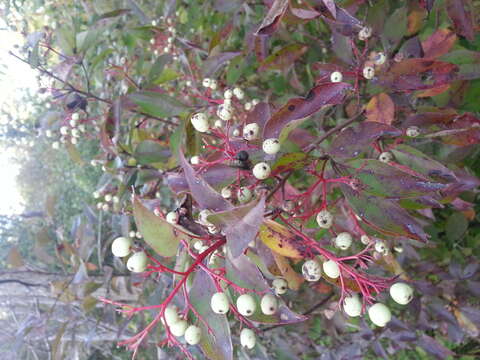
137, 262
280, 286
380, 59
324, 219
178, 328
195, 160
401, 293
213, 84
246, 304
171, 315
331, 269
368, 72
108, 197
413, 131
224, 112
379, 314
244, 194
247, 338
64, 130
271, 146
193, 334
121, 246
75, 116
343, 240
385, 157
336, 77
381, 248
311, 270
269, 304
219, 303
226, 193
238, 93
365, 33
352, 306
206, 82
365, 239
250, 131
261, 171
228, 94
200, 122
172, 217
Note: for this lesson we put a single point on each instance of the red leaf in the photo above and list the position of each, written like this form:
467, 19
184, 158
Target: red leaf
273, 18
439, 43
419, 74
381, 109
300, 108
461, 14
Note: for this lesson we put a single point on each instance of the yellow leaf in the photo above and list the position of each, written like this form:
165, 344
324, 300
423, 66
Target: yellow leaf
293, 278
281, 240
14, 258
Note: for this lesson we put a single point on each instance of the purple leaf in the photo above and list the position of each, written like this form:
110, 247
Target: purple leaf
433, 347
202, 192
213, 63
383, 215
299, 108
461, 14
240, 225
260, 114
216, 176
216, 345
354, 140
272, 19
381, 179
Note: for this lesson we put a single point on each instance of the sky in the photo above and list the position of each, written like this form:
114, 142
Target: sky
18, 77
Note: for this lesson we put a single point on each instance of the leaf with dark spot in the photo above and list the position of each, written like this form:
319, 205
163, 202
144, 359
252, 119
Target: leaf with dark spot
354, 140
421, 163
384, 216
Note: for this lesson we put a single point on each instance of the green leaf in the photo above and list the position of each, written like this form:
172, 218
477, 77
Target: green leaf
167, 75
156, 104
158, 66
456, 226
151, 151
295, 160
156, 231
